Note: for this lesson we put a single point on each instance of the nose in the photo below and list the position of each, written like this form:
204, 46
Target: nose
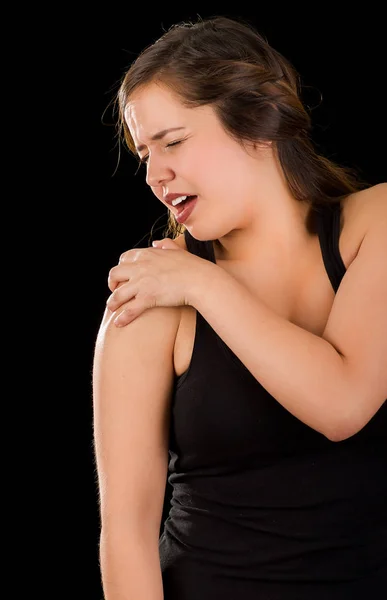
158, 172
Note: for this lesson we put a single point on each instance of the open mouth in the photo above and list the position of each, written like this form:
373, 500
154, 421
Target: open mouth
184, 202
185, 208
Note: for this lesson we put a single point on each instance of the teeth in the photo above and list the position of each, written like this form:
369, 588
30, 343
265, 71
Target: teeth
178, 200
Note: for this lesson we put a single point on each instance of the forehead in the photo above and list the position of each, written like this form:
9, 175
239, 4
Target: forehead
153, 108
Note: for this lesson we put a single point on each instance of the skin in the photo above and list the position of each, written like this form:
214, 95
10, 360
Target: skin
244, 202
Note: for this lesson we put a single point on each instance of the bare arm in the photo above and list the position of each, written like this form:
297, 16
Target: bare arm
334, 383
132, 385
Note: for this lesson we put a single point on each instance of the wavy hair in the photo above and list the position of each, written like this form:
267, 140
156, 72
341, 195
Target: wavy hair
256, 94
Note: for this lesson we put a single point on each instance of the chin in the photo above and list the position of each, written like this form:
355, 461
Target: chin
202, 233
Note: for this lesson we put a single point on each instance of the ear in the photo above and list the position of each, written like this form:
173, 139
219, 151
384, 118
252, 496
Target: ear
263, 145
260, 149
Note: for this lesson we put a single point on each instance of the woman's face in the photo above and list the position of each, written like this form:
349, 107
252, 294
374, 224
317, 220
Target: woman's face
187, 152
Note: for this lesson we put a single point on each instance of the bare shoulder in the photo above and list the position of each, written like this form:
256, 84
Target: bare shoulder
362, 208
375, 200
357, 323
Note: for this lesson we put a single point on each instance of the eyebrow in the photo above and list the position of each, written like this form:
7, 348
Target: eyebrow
159, 136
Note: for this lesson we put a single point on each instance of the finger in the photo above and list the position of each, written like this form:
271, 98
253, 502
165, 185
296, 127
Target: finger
112, 284
122, 319
124, 256
117, 276
123, 293
112, 281
167, 244
128, 315
130, 255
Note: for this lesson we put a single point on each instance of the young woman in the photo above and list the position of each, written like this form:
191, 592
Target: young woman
245, 358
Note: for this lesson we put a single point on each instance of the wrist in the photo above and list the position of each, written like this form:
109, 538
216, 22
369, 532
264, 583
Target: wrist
202, 281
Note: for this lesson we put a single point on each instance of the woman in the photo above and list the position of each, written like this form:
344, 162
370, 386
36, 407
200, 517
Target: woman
253, 370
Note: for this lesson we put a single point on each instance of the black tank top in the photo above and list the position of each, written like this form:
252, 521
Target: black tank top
263, 507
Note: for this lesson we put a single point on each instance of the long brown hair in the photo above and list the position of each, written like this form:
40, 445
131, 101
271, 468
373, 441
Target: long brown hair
255, 93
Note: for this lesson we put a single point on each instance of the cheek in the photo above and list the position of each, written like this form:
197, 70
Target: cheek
220, 159
205, 167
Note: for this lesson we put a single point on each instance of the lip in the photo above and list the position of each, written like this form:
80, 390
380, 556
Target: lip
184, 214
169, 197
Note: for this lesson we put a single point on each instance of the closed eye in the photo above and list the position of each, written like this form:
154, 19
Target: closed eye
173, 143
144, 159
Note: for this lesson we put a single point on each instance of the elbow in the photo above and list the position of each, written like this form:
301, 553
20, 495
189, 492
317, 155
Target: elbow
342, 429
339, 434
348, 410
355, 415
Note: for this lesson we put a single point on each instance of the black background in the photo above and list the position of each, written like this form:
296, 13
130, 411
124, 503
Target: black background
102, 208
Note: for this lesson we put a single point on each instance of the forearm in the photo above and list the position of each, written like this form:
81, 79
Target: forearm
302, 371
130, 567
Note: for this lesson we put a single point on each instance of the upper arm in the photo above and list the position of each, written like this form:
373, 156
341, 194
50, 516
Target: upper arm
357, 325
133, 376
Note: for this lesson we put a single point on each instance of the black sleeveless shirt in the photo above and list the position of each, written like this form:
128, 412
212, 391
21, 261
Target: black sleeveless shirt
264, 507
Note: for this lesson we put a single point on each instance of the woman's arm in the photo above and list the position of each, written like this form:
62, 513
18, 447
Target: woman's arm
130, 566
133, 377
334, 383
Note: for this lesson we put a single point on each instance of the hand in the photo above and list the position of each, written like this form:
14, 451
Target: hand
165, 275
